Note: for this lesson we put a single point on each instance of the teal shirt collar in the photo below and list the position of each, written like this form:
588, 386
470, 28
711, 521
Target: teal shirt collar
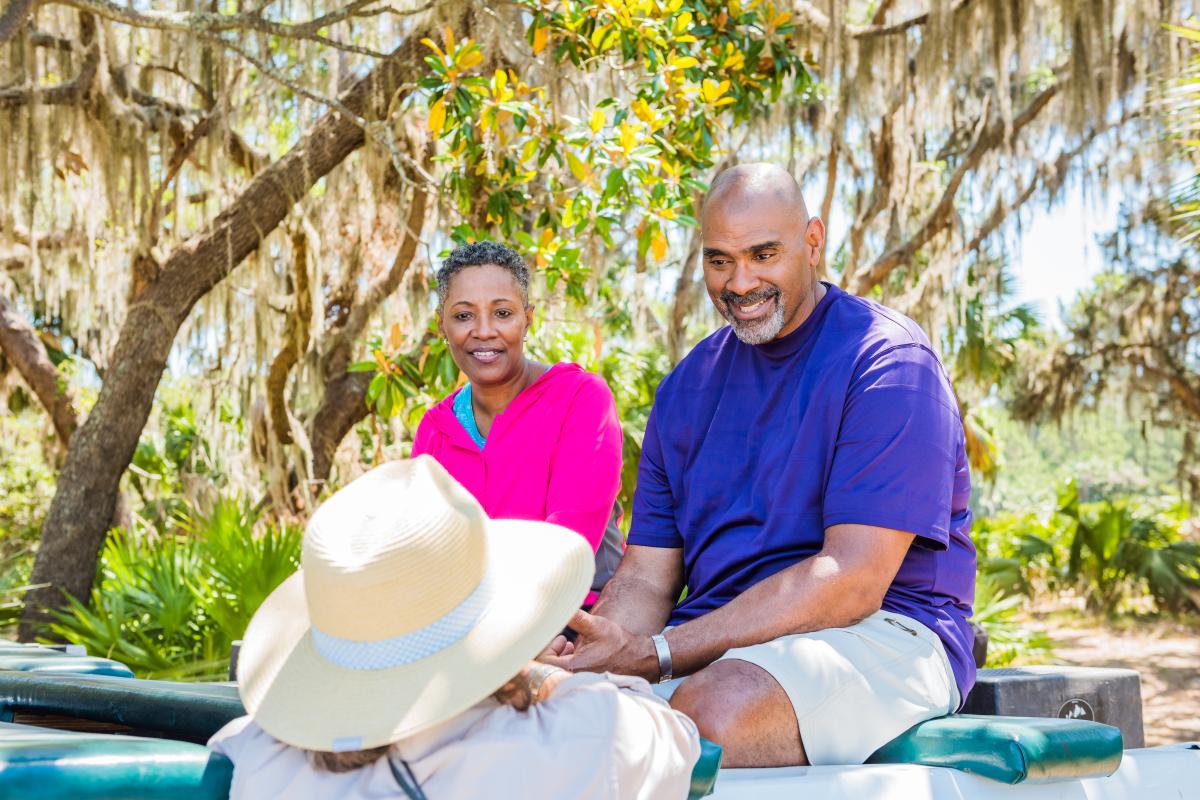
465, 414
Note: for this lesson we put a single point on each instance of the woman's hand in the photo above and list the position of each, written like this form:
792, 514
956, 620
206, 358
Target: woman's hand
561, 647
533, 684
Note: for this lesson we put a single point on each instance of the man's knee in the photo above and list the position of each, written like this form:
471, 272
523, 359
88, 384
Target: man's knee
718, 698
741, 707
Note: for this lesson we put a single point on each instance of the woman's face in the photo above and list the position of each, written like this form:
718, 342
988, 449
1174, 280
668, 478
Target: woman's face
484, 320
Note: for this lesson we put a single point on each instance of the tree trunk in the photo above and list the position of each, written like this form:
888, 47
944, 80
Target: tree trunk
343, 406
24, 349
100, 451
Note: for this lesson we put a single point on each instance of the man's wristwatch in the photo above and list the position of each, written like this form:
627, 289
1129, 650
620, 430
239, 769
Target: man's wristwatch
664, 657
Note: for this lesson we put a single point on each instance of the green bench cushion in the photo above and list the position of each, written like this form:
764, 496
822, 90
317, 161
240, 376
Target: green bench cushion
59, 663
1009, 749
31, 658
61, 765
188, 711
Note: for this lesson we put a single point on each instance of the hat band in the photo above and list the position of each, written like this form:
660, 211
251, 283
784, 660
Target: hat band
407, 647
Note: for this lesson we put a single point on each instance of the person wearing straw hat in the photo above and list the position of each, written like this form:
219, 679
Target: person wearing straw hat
398, 662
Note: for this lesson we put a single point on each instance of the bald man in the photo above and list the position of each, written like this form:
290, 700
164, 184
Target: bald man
804, 476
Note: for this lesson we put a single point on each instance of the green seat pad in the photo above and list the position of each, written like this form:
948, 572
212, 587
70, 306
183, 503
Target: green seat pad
188, 711
54, 765
32, 658
54, 661
704, 774
1009, 749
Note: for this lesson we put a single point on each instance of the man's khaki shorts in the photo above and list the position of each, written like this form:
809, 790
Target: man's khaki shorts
855, 689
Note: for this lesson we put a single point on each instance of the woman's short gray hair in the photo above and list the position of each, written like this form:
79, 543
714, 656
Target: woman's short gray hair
478, 254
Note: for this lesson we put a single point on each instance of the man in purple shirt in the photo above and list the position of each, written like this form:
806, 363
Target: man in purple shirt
804, 476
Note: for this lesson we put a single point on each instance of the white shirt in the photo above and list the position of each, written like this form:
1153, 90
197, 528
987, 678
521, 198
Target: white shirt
598, 737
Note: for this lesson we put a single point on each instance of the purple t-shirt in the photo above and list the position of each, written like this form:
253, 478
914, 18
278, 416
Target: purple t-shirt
751, 452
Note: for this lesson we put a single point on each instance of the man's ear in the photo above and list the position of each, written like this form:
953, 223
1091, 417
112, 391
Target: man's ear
814, 237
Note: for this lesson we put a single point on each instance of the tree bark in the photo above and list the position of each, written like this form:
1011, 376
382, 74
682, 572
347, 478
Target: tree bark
343, 405
24, 349
344, 402
14, 16
295, 342
102, 448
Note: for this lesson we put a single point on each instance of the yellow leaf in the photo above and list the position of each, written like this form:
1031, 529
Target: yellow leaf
683, 62
674, 6
433, 46
547, 237
682, 22
395, 336
628, 137
579, 169
471, 58
781, 20
711, 90
658, 243
500, 81
541, 37
597, 121
529, 150
437, 116
598, 36
642, 109
448, 38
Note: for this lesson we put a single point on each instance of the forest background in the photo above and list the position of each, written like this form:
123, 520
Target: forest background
219, 223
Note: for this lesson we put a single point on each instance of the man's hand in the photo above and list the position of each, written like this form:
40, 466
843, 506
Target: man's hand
604, 646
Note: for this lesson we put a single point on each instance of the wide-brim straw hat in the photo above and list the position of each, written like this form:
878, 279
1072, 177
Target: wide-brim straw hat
410, 607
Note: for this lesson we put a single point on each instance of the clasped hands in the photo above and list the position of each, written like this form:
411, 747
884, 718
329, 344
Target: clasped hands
603, 646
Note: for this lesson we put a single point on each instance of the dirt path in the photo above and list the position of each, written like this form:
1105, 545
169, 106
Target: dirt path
1166, 654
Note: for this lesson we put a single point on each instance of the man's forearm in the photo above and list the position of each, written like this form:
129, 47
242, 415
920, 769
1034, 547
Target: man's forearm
814, 594
635, 604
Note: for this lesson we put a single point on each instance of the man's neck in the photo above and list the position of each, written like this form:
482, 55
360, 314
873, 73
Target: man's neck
812, 298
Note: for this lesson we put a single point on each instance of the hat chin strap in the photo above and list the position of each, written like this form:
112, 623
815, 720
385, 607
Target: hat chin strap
407, 647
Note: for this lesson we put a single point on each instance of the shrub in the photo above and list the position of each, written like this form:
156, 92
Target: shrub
1009, 642
1108, 550
169, 604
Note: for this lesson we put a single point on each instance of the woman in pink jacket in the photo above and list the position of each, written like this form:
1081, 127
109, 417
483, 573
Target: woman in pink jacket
529, 441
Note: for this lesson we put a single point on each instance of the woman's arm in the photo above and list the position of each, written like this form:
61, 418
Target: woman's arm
585, 471
422, 440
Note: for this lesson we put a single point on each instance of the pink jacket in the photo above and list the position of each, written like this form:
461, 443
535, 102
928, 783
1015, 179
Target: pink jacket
554, 454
